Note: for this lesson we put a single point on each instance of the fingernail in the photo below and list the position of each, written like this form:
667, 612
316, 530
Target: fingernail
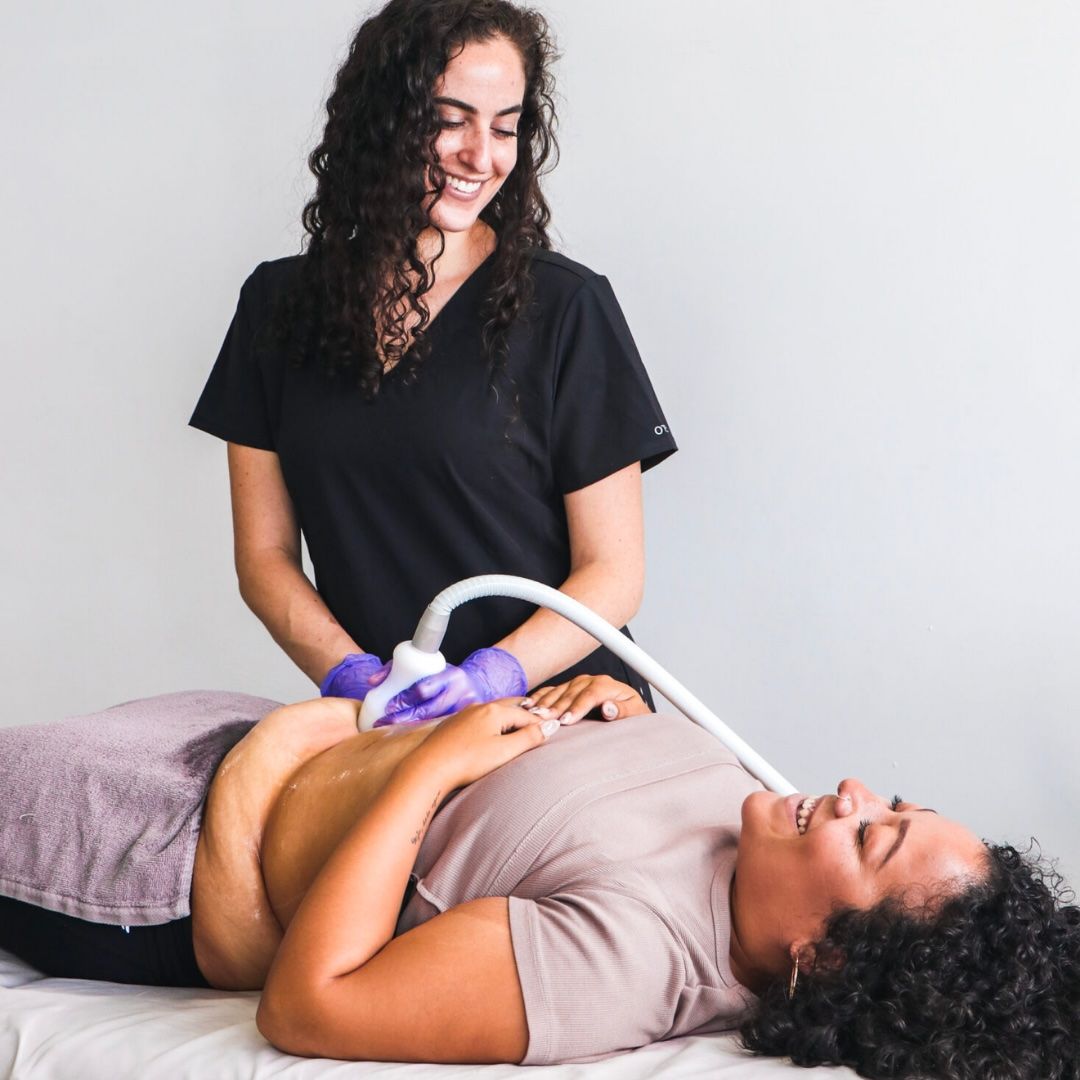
540, 711
527, 703
566, 718
549, 727
610, 709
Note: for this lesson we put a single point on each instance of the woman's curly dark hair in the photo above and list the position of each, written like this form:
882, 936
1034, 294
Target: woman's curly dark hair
984, 986
362, 279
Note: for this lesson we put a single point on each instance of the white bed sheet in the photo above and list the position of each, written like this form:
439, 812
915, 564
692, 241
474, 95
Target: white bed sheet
60, 1029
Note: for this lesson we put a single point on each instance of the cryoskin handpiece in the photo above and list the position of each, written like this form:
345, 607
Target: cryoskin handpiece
420, 657
408, 665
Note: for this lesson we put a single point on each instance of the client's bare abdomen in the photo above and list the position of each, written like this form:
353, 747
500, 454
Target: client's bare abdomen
279, 804
318, 806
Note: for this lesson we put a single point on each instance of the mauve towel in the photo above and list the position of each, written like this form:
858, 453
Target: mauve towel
100, 814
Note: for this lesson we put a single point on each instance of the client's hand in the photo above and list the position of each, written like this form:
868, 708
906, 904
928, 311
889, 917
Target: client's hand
479, 739
584, 693
485, 675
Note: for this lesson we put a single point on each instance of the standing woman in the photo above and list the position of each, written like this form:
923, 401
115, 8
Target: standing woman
429, 392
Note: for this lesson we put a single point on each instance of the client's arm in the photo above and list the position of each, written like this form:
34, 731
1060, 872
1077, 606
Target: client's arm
341, 984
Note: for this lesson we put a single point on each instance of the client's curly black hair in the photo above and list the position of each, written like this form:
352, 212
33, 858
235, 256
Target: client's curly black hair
362, 278
985, 987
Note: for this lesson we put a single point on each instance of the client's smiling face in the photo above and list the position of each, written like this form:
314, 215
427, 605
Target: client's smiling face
801, 857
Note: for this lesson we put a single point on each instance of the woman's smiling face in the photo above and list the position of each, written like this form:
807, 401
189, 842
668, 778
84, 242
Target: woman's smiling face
479, 98
801, 857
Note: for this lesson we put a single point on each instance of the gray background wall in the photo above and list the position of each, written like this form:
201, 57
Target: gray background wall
847, 238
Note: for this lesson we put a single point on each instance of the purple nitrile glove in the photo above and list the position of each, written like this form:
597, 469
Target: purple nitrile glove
484, 675
354, 676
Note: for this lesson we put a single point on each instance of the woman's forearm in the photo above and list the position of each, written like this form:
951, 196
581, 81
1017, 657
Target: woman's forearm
351, 910
607, 574
343, 986
266, 551
546, 643
276, 589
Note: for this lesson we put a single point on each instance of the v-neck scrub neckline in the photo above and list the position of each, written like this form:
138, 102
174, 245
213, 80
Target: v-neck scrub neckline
477, 277
445, 475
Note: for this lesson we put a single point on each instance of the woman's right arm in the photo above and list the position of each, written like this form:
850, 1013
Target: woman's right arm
266, 547
342, 986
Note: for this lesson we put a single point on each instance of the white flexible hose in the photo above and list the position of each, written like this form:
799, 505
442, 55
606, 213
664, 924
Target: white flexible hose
432, 627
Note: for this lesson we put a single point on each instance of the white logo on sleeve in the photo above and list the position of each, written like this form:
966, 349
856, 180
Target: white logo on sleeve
660, 429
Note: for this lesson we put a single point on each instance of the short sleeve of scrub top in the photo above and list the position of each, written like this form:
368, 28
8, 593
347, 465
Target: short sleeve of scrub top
605, 411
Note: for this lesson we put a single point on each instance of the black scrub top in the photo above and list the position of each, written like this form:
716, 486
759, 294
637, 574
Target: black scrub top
443, 476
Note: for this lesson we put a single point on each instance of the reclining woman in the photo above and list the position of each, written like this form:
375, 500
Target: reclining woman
498, 887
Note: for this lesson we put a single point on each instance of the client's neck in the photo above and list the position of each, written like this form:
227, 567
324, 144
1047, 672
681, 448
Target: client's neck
748, 964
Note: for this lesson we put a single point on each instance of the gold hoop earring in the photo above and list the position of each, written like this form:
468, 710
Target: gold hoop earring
792, 982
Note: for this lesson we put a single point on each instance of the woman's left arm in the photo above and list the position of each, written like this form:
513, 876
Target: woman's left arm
343, 986
607, 574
